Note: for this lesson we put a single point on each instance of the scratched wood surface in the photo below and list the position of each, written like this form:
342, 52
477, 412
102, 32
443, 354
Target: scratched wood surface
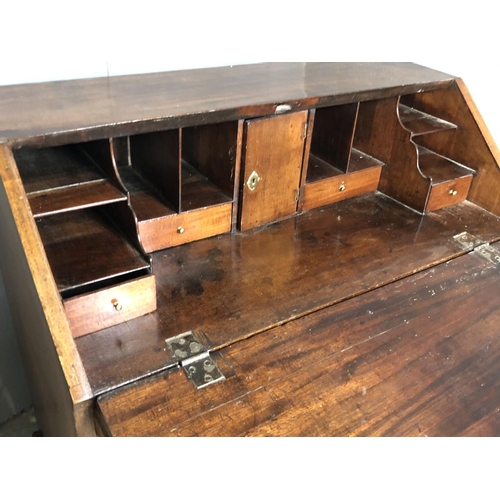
237, 285
79, 110
418, 357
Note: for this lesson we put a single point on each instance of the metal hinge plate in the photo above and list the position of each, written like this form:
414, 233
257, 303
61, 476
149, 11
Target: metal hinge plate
489, 253
196, 361
467, 241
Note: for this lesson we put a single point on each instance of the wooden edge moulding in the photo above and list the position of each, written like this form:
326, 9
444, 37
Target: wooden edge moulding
201, 186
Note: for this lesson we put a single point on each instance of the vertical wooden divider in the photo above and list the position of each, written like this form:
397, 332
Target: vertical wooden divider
237, 176
157, 158
307, 152
333, 134
108, 154
380, 134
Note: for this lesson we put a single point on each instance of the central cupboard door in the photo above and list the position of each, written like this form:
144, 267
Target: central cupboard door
273, 154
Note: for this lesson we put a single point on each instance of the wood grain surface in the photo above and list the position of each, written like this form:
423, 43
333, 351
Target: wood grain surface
57, 377
274, 150
237, 285
471, 144
90, 194
84, 247
110, 306
80, 110
419, 357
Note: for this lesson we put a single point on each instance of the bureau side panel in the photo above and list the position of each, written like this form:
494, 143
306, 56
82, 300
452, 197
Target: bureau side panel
58, 380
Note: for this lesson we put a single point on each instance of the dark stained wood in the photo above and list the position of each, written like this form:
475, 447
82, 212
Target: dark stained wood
104, 154
418, 357
94, 311
318, 170
146, 202
198, 191
441, 169
333, 134
359, 161
471, 145
419, 123
259, 297
211, 149
50, 168
307, 151
177, 229
380, 134
237, 175
76, 197
339, 187
84, 248
156, 157
58, 380
448, 193
237, 285
120, 151
74, 111
274, 149
208, 213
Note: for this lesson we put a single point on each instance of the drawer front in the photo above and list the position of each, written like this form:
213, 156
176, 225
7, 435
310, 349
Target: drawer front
166, 232
340, 187
448, 193
94, 311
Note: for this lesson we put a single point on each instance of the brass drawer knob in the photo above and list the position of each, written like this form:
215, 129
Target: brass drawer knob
342, 187
116, 305
180, 230
453, 192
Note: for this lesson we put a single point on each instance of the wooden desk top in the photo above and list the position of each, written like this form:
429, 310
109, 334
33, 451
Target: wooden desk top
61, 112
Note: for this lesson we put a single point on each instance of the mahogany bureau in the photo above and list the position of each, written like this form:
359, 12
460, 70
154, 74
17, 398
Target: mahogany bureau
273, 249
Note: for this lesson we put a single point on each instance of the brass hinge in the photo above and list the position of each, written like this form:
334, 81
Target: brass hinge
304, 132
195, 359
469, 242
491, 254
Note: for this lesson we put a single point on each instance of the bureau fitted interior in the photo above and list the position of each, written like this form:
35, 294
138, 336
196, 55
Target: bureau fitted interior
272, 249
154, 234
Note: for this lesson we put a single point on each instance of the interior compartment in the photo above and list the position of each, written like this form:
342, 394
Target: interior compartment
181, 182
87, 251
64, 178
336, 168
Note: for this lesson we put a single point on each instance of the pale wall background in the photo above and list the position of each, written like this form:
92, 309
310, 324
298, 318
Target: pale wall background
52, 40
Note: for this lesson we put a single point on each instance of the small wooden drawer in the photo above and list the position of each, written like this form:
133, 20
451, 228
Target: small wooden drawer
177, 229
340, 187
448, 193
91, 312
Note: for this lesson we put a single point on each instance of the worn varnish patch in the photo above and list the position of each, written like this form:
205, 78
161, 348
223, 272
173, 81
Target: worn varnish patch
418, 357
237, 285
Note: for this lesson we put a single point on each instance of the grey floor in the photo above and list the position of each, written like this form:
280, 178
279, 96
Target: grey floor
22, 425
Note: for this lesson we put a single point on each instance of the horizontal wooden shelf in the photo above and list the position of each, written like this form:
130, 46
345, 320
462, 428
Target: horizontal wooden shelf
420, 123
88, 194
440, 169
197, 191
319, 169
84, 248
51, 168
145, 202
361, 161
